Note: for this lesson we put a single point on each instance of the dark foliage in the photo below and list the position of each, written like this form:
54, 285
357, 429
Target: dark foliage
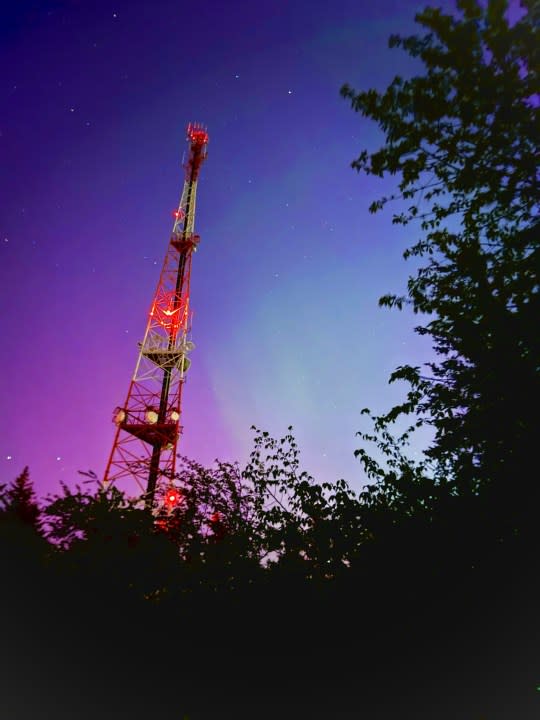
22, 547
18, 502
464, 141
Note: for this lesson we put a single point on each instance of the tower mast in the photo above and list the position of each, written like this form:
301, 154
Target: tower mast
148, 424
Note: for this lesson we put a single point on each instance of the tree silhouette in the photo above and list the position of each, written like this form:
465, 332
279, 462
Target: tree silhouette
23, 549
463, 140
18, 501
22, 544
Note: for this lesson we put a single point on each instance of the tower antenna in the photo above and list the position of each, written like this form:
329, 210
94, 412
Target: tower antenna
148, 423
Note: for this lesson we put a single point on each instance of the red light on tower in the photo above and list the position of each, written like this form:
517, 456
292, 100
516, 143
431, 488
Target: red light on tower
197, 134
172, 497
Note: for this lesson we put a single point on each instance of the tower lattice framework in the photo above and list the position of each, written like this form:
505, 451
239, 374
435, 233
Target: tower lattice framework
148, 423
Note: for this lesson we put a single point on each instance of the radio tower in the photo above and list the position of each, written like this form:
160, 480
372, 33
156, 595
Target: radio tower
148, 424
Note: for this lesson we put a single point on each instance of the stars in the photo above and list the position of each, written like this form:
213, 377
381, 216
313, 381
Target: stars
115, 16
6, 239
326, 225
58, 457
236, 77
9, 457
289, 92
71, 109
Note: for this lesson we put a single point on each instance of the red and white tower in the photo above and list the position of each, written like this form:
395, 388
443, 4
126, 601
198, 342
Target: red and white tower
148, 423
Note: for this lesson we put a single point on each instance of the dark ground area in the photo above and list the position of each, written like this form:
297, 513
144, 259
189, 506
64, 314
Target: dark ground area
383, 650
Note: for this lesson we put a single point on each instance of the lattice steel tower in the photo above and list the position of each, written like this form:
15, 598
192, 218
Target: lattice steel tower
148, 424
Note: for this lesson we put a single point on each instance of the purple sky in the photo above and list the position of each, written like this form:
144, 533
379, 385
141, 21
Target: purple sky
96, 97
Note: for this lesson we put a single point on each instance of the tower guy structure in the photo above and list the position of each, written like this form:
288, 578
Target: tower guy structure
148, 423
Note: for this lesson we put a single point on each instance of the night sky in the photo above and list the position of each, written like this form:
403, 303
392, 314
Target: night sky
95, 100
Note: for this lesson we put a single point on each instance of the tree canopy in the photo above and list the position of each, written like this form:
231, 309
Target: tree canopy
463, 140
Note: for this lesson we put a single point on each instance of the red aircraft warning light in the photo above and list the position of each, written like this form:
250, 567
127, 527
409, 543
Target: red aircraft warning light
197, 134
172, 498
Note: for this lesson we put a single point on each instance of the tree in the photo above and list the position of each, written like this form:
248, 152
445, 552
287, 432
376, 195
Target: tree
18, 501
104, 539
23, 549
463, 140
211, 528
303, 528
